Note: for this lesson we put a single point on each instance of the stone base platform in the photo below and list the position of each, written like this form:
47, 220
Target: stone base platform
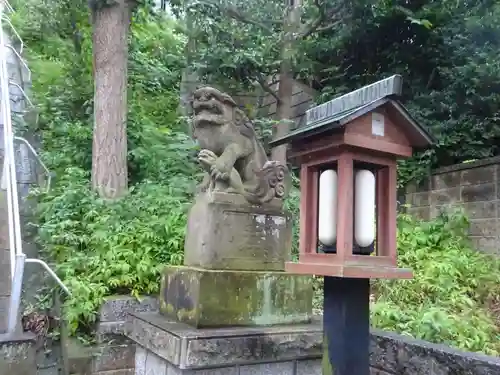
222, 298
167, 348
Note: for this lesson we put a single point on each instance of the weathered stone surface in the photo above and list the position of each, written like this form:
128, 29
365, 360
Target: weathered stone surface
129, 371
113, 357
445, 181
420, 199
309, 367
5, 274
172, 370
155, 365
209, 298
376, 371
111, 331
403, 356
445, 196
17, 355
480, 210
116, 308
478, 193
486, 244
140, 360
160, 341
225, 232
224, 347
483, 227
479, 175
279, 368
4, 309
463, 166
79, 357
250, 348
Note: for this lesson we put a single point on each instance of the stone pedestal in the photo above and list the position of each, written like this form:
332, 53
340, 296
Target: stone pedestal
226, 232
168, 348
222, 298
231, 309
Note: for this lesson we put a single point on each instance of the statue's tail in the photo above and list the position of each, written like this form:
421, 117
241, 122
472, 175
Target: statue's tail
272, 183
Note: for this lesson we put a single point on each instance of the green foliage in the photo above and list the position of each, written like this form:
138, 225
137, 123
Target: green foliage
98, 247
102, 248
449, 299
449, 65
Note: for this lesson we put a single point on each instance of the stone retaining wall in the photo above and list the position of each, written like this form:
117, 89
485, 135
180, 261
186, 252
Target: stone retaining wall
292, 354
284, 350
393, 354
114, 354
475, 187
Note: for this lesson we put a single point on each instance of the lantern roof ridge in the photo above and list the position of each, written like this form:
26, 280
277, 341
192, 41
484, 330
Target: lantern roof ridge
422, 138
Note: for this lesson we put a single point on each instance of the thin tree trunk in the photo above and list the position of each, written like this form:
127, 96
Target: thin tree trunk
283, 110
189, 79
285, 89
110, 50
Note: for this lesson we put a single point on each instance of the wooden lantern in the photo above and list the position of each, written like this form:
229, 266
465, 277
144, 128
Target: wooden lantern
347, 153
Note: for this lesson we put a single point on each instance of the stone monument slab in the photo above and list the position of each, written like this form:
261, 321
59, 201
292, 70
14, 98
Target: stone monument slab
226, 232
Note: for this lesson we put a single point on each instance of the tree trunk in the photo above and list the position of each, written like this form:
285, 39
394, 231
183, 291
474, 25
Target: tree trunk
190, 78
285, 89
283, 111
110, 52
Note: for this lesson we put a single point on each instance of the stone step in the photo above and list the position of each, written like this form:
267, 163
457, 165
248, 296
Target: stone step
79, 357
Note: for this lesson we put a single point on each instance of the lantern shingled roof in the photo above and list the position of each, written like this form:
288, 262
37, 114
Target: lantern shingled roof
340, 111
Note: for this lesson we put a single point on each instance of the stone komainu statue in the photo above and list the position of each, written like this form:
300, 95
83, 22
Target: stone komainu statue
233, 158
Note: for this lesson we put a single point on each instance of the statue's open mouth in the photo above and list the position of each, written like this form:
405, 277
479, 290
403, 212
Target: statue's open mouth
208, 112
212, 106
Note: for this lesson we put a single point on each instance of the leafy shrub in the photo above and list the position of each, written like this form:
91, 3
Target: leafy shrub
102, 248
447, 300
97, 247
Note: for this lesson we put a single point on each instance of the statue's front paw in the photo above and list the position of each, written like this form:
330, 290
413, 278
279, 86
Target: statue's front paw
219, 171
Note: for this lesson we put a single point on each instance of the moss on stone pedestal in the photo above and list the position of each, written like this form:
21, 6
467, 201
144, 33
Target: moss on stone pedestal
217, 298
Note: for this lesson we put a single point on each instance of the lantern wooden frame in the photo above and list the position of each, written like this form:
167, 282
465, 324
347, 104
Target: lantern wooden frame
344, 262
347, 141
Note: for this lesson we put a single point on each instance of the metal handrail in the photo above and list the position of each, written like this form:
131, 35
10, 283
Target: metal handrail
35, 154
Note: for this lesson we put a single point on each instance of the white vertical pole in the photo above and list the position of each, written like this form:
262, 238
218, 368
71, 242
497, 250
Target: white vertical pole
15, 240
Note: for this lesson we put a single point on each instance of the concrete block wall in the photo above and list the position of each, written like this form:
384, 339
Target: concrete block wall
475, 187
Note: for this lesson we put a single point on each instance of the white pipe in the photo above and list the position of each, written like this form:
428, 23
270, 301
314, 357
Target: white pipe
6, 19
9, 154
47, 171
21, 60
15, 296
51, 273
9, 145
26, 97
